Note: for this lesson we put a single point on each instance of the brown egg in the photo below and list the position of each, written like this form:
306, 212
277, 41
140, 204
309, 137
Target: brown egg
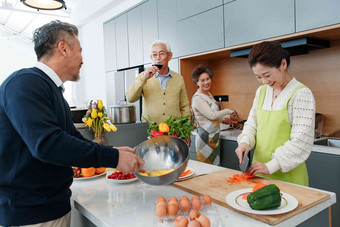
185, 205
161, 203
161, 211
196, 204
194, 214
205, 222
207, 200
161, 198
181, 221
194, 223
172, 198
184, 197
173, 202
172, 209
194, 197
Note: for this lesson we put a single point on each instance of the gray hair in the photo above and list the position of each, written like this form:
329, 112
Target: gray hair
156, 42
46, 37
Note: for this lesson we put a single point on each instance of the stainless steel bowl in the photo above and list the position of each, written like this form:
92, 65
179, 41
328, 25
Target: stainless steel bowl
164, 152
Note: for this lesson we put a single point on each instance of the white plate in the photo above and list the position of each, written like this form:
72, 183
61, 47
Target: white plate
234, 199
187, 176
86, 178
118, 181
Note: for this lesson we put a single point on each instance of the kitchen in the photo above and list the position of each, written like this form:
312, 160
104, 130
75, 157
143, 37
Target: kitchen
97, 67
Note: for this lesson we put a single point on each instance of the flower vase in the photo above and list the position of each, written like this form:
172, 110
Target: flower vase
99, 137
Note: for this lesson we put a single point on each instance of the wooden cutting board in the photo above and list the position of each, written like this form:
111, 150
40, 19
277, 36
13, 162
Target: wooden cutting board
215, 184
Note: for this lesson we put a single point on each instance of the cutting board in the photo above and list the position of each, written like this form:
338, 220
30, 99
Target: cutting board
215, 184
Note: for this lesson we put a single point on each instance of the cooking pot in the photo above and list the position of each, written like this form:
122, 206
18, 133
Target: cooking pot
123, 113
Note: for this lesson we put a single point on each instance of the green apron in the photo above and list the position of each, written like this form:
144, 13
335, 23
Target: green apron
273, 130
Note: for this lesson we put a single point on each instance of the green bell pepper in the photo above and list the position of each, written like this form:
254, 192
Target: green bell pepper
264, 198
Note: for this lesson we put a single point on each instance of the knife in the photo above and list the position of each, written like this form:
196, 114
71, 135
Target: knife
245, 163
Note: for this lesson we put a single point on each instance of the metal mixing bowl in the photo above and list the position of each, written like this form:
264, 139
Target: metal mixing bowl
164, 152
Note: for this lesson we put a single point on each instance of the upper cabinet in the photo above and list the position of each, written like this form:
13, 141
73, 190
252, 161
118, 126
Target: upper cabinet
248, 20
188, 8
202, 32
167, 23
316, 13
122, 42
110, 46
135, 36
150, 27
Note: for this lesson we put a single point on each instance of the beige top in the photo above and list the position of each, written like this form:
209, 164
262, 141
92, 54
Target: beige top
159, 103
301, 115
206, 108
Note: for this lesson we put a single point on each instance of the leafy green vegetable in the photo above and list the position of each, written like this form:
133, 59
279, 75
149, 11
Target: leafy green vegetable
180, 126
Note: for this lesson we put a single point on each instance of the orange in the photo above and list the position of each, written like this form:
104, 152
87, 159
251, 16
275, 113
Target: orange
88, 172
100, 170
258, 186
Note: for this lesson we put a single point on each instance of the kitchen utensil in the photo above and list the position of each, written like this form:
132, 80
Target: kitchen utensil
215, 184
123, 113
163, 152
245, 163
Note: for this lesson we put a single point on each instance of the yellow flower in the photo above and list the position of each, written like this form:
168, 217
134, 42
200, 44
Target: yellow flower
94, 113
100, 114
89, 122
100, 104
113, 128
107, 127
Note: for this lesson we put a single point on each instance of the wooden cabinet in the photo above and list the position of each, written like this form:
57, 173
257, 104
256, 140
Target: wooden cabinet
150, 27
315, 13
110, 46
167, 21
135, 36
202, 32
247, 20
188, 8
122, 42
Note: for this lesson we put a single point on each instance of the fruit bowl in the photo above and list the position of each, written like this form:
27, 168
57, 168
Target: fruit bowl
163, 152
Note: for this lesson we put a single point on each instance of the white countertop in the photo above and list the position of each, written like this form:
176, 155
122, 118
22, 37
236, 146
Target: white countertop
107, 204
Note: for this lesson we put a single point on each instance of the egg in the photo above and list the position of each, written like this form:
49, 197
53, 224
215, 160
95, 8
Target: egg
181, 221
184, 198
196, 204
205, 222
161, 203
185, 205
194, 197
172, 209
194, 214
161, 198
194, 223
161, 211
173, 202
173, 198
207, 200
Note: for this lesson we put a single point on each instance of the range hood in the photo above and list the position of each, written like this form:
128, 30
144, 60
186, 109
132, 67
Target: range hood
294, 46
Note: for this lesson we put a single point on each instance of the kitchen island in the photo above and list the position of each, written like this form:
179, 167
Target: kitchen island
100, 203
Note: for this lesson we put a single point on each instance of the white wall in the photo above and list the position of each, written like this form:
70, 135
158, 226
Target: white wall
90, 19
14, 55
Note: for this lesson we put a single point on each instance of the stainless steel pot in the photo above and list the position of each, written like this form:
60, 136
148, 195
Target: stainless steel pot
122, 114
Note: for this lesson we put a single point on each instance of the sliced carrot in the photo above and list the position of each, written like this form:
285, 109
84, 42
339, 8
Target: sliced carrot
238, 177
258, 186
246, 176
186, 173
244, 197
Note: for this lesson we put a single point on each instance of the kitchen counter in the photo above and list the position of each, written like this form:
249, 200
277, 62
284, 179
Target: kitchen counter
96, 202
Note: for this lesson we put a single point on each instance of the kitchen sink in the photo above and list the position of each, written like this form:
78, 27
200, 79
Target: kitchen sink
330, 142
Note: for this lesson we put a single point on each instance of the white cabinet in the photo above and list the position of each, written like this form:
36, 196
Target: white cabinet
110, 46
122, 42
135, 36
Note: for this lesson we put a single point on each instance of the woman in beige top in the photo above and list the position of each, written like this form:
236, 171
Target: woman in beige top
208, 116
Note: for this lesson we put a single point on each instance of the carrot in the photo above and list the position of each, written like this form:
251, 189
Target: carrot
244, 196
258, 186
186, 173
246, 176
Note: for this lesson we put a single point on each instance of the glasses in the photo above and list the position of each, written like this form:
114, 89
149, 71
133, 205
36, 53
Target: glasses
160, 54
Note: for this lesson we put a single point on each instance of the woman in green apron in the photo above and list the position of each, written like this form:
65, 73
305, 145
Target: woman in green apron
208, 116
280, 124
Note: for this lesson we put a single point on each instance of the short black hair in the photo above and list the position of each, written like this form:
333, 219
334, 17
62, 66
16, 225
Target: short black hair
198, 71
46, 37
